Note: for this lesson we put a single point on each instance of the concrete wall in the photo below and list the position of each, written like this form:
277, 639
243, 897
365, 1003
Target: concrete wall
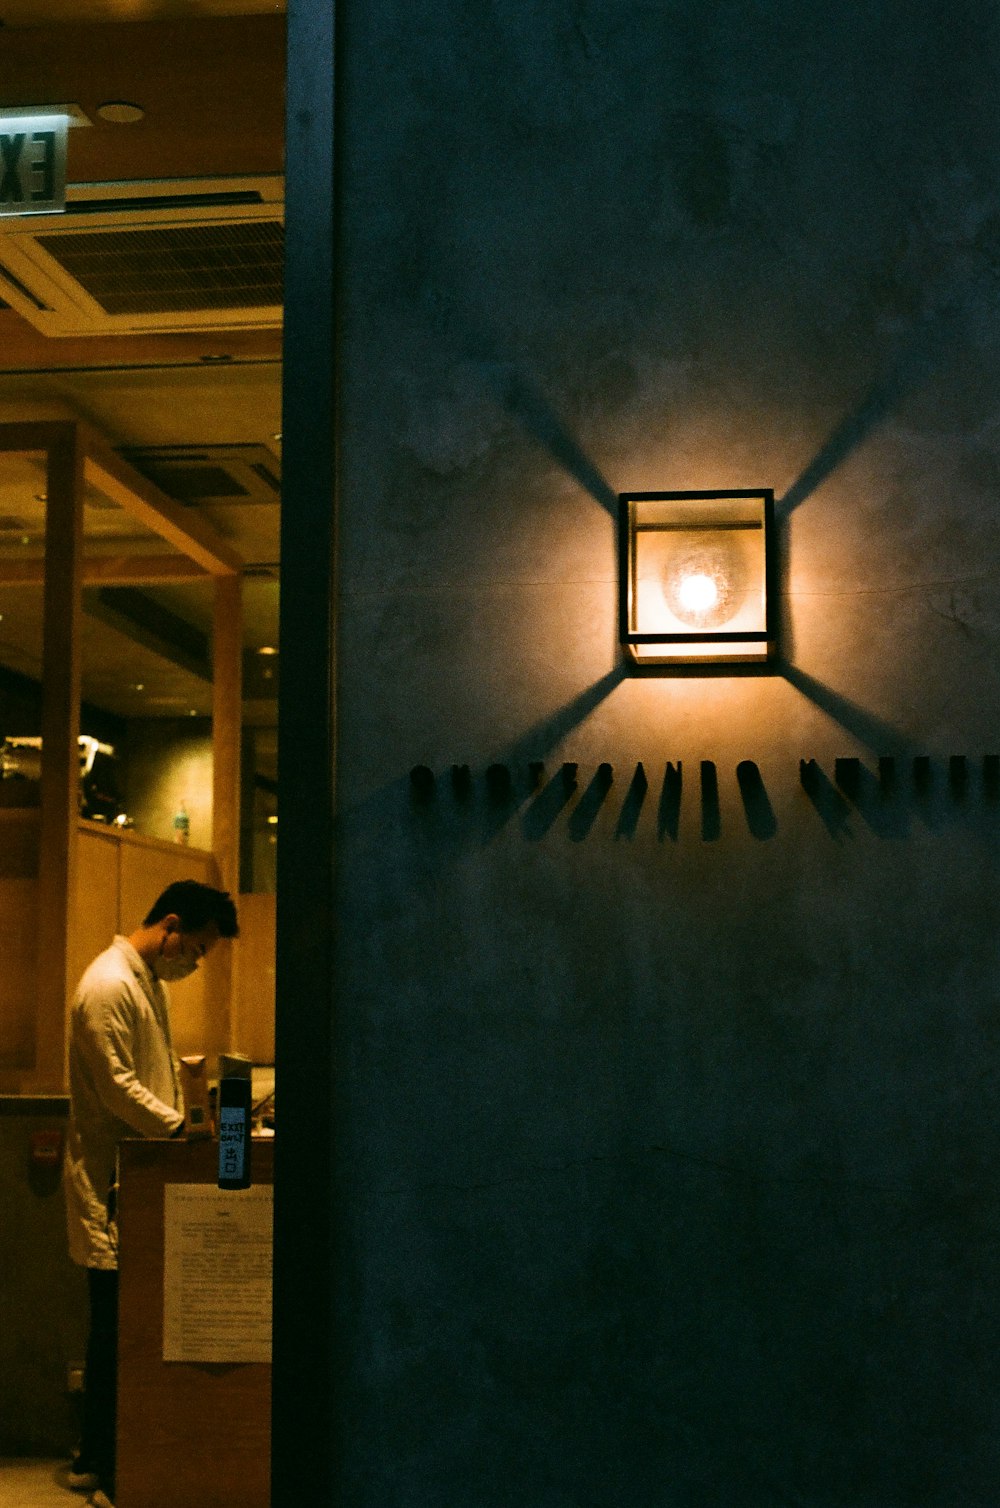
44, 1297
670, 1137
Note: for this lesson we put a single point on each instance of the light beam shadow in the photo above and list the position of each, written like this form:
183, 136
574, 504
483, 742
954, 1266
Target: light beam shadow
526, 404
878, 736
542, 737
926, 348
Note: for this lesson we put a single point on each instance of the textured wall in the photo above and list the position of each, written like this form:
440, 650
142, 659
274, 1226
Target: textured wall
670, 1134
169, 762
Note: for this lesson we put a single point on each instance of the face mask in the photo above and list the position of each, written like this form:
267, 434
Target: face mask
170, 970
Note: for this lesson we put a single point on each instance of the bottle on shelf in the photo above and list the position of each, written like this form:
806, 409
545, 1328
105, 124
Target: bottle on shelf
182, 825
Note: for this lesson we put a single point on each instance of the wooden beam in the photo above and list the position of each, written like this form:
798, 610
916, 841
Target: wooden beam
227, 678
23, 348
110, 570
105, 469
36, 434
60, 782
181, 527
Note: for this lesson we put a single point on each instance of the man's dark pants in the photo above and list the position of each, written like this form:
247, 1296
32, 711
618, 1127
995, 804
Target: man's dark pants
100, 1394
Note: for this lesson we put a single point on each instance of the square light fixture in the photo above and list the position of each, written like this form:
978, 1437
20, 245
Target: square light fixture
697, 577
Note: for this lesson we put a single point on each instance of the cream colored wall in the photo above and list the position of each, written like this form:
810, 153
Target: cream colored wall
253, 959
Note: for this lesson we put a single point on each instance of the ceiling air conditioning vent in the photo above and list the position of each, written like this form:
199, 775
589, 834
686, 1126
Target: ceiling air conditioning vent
183, 255
244, 474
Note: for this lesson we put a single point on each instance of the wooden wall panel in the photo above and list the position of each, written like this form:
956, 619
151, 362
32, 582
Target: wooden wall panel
96, 895
18, 994
19, 836
253, 962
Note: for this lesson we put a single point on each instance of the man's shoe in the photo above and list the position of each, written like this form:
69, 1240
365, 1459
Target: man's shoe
80, 1476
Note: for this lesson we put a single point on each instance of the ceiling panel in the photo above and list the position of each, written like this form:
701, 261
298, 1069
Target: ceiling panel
15, 13
202, 116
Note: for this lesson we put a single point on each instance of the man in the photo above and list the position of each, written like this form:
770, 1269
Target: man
123, 1082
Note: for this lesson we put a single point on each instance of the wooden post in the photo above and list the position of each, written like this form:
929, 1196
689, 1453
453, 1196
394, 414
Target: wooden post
227, 707
60, 783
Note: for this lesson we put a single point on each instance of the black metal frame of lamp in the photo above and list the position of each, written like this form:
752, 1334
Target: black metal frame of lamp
706, 665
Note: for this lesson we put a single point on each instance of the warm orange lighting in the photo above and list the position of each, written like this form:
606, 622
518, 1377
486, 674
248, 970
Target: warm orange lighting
698, 593
695, 568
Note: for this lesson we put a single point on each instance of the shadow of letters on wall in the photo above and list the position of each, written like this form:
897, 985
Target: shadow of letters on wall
886, 799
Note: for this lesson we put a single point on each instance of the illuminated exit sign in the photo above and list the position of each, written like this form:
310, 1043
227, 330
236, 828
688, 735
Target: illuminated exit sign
32, 162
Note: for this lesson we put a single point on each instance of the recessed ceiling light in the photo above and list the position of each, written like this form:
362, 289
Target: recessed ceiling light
139, 686
267, 649
120, 112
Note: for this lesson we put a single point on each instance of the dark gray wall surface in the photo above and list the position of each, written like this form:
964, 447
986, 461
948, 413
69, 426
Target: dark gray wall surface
668, 1137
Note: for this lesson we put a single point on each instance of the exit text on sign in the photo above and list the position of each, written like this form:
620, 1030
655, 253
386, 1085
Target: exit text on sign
32, 165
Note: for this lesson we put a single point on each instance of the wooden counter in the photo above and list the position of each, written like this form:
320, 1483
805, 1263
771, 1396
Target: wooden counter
192, 1434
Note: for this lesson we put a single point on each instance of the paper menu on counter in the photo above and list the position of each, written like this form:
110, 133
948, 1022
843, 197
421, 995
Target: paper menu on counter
217, 1273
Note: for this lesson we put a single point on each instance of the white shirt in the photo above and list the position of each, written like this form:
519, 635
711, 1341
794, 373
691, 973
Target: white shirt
122, 1081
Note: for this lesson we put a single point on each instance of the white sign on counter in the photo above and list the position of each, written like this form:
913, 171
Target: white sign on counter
217, 1273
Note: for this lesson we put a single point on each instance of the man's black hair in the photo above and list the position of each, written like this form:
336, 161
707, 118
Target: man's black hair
196, 906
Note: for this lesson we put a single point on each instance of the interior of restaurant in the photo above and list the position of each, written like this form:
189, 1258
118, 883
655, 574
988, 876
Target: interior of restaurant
142, 329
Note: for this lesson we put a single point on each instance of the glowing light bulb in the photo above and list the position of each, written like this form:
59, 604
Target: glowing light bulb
698, 593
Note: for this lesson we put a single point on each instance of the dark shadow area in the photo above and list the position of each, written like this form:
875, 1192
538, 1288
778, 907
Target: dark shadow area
628, 817
711, 813
501, 800
499, 785
585, 813
461, 782
926, 790
991, 776
879, 801
423, 787
756, 803
668, 817
864, 726
539, 817
532, 411
833, 810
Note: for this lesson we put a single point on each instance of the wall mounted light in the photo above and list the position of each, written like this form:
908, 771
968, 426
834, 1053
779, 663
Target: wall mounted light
696, 577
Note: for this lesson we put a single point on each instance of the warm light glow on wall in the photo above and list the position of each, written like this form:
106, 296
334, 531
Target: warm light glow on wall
695, 573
